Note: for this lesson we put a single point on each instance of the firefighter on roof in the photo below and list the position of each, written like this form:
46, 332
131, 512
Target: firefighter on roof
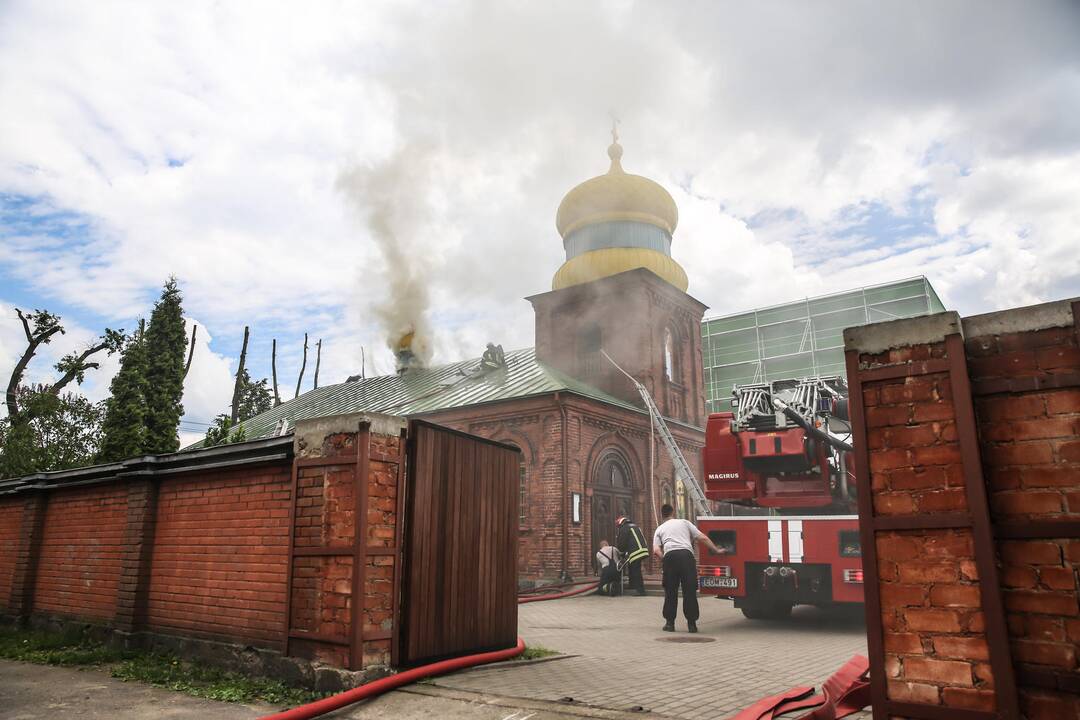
632, 545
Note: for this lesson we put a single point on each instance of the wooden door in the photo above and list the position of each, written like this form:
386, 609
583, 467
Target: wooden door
459, 591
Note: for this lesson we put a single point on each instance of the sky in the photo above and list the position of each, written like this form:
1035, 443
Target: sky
300, 168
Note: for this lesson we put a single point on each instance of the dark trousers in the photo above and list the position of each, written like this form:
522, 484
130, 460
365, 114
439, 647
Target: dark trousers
637, 583
610, 580
680, 570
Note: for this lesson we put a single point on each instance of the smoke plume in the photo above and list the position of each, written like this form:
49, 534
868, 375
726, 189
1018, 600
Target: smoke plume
394, 199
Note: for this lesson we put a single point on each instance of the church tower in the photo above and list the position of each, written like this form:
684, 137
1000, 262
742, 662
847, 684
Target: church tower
620, 290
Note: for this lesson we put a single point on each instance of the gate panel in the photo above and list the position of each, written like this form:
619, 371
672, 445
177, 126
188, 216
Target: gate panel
459, 590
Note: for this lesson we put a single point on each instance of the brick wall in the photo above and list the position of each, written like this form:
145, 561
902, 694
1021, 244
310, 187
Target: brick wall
218, 563
79, 559
968, 459
10, 522
1027, 401
210, 544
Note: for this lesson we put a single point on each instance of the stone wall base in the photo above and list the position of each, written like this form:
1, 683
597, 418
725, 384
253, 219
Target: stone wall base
232, 657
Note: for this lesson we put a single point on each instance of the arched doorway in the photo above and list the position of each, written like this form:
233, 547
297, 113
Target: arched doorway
612, 497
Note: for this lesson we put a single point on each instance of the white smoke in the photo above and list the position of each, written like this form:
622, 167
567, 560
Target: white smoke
394, 199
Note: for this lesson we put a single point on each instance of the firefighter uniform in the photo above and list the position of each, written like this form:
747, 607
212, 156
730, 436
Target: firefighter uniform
631, 543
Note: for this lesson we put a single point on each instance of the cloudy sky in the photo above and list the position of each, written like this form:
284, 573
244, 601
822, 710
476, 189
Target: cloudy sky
295, 164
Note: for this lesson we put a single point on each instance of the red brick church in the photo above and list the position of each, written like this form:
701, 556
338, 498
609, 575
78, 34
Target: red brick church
588, 452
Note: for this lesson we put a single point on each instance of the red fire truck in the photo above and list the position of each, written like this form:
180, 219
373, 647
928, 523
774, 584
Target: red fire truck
782, 452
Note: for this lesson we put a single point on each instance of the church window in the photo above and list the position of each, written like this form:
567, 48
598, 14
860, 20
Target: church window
680, 499
671, 358
589, 344
665, 495
613, 473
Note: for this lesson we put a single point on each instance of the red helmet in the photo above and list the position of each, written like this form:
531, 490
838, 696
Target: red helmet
621, 520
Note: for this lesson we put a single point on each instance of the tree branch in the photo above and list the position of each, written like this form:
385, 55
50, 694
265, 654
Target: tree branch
34, 339
318, 360
26, 326
191, 350
76, 367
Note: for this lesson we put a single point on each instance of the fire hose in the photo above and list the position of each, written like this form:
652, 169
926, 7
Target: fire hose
378, 687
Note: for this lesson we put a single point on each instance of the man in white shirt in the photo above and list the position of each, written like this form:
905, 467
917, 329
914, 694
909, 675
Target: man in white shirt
610, 577
674, 541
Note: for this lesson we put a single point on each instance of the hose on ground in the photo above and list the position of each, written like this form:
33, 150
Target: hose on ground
378, 687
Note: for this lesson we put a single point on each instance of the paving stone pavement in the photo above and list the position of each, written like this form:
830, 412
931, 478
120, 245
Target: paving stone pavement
624, 659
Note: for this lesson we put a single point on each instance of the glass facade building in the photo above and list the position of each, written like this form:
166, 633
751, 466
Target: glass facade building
800, 339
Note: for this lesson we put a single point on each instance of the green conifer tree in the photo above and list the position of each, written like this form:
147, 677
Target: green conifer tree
166, 343
125, 411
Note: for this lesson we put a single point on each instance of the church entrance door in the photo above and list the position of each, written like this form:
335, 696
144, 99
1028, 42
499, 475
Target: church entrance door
612, 498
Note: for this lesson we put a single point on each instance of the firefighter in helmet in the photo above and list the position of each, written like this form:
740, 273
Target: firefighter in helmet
631, 544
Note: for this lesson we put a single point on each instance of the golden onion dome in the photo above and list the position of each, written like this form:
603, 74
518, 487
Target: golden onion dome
617, 196
615, 223
603, 263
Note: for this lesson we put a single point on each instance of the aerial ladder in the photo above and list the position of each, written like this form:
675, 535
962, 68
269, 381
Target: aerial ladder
682, 468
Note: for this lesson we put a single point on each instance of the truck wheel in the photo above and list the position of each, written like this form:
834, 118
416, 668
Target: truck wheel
753, 612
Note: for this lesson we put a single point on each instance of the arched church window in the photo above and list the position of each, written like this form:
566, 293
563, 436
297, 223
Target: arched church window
666, 497
671, 358
680, 499
613, 473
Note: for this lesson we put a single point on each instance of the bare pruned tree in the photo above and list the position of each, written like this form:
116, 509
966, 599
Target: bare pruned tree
273, 370
239, 377
303, 365
318, 360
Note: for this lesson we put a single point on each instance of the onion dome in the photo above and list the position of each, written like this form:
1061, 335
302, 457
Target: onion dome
614, 223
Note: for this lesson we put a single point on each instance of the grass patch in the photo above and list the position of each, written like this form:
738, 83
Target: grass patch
67, 649
168, 671
158, 669
535, 652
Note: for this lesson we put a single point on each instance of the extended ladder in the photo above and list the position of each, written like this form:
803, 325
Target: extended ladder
682, 468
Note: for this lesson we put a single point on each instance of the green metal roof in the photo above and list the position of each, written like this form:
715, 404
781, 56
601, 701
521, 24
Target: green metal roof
428, 390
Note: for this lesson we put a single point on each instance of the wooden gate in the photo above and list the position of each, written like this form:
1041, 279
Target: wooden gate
459, 570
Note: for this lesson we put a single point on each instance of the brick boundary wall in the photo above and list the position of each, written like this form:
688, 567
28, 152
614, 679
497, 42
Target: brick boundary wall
191, 552
968, 468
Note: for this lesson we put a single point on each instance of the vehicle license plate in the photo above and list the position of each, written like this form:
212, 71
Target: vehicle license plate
719, 582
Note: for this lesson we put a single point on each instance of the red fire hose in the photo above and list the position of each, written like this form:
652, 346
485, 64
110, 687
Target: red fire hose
568, 593
378, 687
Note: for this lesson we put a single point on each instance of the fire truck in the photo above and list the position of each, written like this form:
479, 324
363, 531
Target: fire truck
781, 454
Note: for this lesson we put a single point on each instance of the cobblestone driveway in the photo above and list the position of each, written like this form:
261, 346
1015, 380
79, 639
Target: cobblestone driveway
625, 660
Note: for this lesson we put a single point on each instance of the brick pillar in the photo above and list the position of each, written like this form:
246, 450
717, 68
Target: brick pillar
935, 623
26, 555
138, 547
1025, 374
